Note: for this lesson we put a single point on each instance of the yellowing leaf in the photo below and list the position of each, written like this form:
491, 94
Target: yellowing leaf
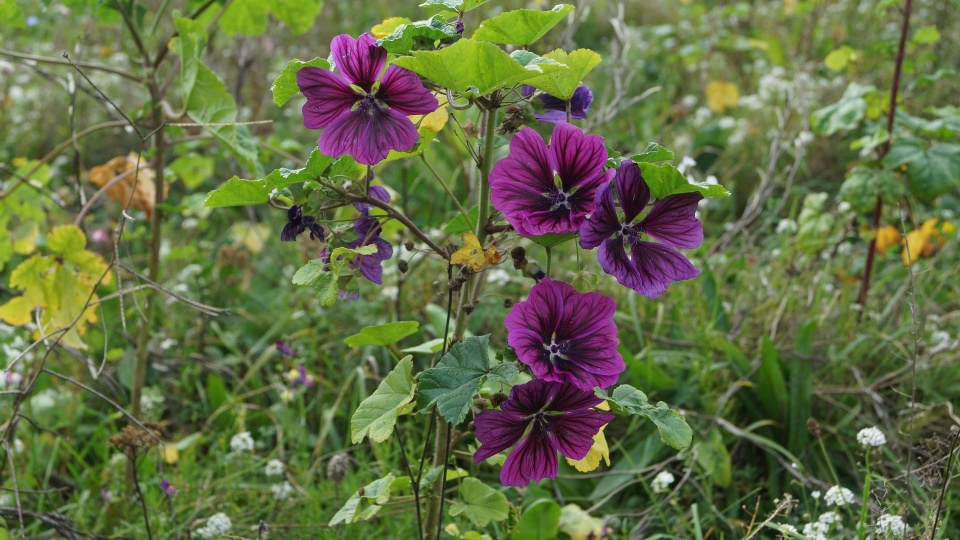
599, 450
135, 189
922, 242
474, 255
722, 95
947, 228
886, 237
387, 27
840, 57
789, 6
434, 121
580, 525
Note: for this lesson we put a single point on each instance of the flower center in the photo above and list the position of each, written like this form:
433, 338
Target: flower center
556, 351
368, 104
559, 198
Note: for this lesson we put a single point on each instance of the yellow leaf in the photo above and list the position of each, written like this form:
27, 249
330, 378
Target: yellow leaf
886, 237
170, 454
599, 450
789, 6
473, 255
918, 243
135, 188
947, 228
387, 27
722, 95
580, 525
433, 121
18, 161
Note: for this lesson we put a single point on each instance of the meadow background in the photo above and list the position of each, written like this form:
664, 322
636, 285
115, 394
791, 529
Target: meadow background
763, 352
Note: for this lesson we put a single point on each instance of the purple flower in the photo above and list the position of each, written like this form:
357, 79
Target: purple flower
368, 232
554, 417
543, 189
650, 267
168, 489
566, 336
360, 115
303, 378
284, 348
297, 223
555, 109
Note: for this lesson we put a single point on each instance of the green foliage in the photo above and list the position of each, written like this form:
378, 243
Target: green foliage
522, 26
461, 224
564, 82
383, 334
843, 115
673, 428
192, 169
285, 85
454, 5
407, 36
653, 154
327, 279
237, 192
714, 460
863, 184
249, 17
206, 98
454, 382
540, 521
931, 172
551, 240
665, 180
374, 494
814, 224
10, 14
480, 503
20, 211
376, 415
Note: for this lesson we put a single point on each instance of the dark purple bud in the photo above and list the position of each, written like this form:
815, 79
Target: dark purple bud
168, 489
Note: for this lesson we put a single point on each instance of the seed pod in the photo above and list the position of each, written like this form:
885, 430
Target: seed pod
403, 266
813, 427
497, 399
508, 303
337, 467
409, 245
468, 309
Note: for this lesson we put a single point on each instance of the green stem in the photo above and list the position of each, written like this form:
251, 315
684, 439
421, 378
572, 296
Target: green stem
441, 448
865, 502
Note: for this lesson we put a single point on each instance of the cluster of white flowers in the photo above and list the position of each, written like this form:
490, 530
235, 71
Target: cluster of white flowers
891, 526
838, 496
786, 529
151, 401
44, 400
18, 446
498, 276
871, 436
389, 292
815, 494
816, 530
241, 442
830, 518
686, 163
282, 490
10, 378
787, 226
274, 467
662, 482
217, 525
803, 139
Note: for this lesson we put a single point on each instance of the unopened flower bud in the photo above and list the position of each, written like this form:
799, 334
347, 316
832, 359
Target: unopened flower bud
409, 245
508, 303
497, 399
456, 283
403, 266
337, 467
468, 309
481, 403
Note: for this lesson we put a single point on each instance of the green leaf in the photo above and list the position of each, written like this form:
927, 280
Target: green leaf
384, 334
713, 458
563, 83
840, 57
454, 382
665, 180
653, 154
237, 192
928, 35
771, 386
11, 15
541, 521
460, 224
863, 184
843, 115
406, 36
673, 428
430, 347
377, 491
480, 503
206, 97
931, 172
285, 85
522, 26
454, 5
309, 273
192, 170
504, 373
376, 415
249, 17
468, 67
550, 240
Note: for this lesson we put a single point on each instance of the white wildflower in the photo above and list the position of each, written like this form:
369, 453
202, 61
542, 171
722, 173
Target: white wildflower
241, 442
786, 528
787, 226
282, 490
6, 499
390, 292
217, 525
498, 276
816, 530
803, 138
815, 495
871, 436
830, 518
662, 482
18, 446
168, 343
701, 116
843, 207
688, 101
727, 122
711, 180
151, 400
838, 496
274, 467
43, 400
686, 163
891, 526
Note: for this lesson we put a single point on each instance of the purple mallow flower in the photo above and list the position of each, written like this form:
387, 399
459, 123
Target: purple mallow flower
168, 488
361, 115
285, 348
650, 267
543, 189
566, 336
297, 223
555, 109
554, 417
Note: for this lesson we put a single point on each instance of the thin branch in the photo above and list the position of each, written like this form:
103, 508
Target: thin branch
87, 65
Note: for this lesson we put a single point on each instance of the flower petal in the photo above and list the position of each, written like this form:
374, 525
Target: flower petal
632, 190
497, 431
650, 269
579, 158
328, 96
368, 134
520, 182
673, 221
572, 433
402, 90
568, 398
359, 60
532, 460
603, 223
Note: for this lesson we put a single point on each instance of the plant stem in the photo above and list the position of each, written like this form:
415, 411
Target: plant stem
865, 499
884, 148
441, 446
